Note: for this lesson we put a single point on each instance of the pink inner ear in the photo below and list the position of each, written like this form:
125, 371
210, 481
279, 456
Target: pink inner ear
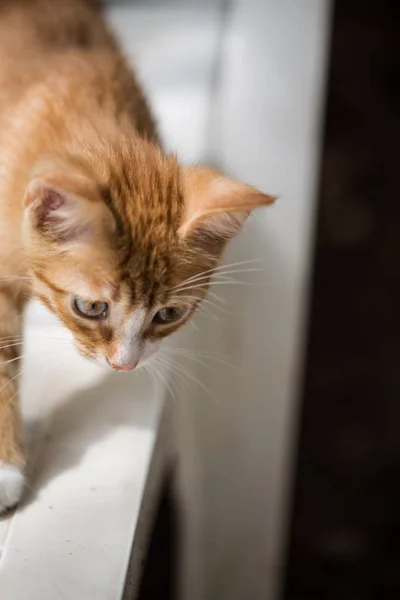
45, 203
51, 200
54, 212
65, 216
47, 218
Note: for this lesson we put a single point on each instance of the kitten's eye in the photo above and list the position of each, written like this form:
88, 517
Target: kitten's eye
169, 314
90, 309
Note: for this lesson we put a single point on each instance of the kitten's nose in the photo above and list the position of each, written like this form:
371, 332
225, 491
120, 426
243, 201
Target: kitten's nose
123, 366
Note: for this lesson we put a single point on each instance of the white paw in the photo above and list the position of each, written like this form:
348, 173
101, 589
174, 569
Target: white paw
11, 485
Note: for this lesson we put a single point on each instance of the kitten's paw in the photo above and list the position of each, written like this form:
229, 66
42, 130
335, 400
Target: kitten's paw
11, 485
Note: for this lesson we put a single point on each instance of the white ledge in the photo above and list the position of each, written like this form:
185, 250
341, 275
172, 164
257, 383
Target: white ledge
91, 452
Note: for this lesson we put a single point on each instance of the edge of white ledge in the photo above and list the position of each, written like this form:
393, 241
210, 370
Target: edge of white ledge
92, 457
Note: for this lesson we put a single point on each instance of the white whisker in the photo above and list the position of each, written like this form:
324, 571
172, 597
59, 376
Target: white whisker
224, 275
193, 358
222, 268
180, 371
10, 380
214, 295
15, 338
188, 353
246, 283
203, 309
13, 344
11, 360
164, 380
202, 301
193, 324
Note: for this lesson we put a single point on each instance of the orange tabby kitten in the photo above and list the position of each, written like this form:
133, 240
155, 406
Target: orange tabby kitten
109, 232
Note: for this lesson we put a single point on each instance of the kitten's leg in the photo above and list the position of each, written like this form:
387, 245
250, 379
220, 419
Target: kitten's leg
12, 460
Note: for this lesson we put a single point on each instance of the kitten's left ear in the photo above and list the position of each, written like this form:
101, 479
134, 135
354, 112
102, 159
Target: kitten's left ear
63, 206
216, 205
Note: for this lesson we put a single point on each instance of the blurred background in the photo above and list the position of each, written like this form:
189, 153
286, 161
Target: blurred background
285, 484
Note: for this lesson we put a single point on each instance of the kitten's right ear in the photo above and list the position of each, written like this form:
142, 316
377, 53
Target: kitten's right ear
64, 208
217, 206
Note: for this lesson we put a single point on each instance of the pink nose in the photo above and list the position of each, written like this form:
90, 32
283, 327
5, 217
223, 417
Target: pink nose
124, 366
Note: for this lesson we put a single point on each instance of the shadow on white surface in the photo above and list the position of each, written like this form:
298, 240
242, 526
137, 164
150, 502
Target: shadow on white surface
60, 439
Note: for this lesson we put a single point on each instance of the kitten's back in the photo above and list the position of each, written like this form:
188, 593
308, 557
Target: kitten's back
67, 43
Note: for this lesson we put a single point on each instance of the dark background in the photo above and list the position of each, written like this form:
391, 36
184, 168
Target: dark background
345, 536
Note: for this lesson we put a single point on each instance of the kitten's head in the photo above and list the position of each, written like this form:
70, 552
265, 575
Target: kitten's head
122, 242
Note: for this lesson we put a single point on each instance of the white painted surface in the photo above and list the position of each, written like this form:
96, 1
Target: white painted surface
264, 130
174, 49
